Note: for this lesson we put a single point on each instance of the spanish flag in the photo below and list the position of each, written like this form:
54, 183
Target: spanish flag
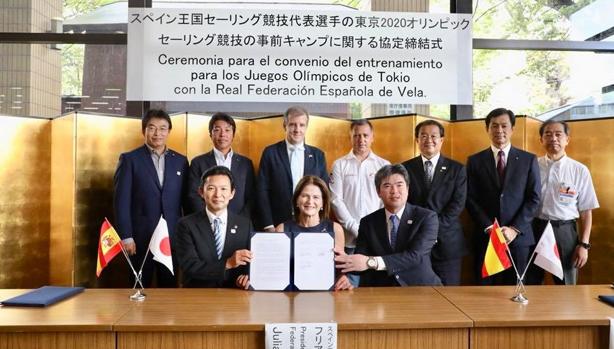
109, 246
495, 259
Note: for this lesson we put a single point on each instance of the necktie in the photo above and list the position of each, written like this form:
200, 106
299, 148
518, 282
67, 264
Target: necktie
394, 227
428, 171
217, 233
295, 166
501, 166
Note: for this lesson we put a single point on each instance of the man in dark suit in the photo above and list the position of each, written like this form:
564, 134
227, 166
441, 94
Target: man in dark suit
222, 131
503, 183
394, 243
149, 183
212, 244
282, 166
440, 184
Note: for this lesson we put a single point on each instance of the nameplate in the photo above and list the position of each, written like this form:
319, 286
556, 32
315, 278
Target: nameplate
301, 335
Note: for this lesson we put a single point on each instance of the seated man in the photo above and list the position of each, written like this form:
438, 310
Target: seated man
394, 243
212, 244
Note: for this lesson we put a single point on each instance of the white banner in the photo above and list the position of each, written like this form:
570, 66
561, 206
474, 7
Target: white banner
298, 56
301, 335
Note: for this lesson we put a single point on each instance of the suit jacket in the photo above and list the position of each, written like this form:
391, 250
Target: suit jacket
242, 170
446, 197
195, 247
409, 262
139, 200
513, 203
275, 181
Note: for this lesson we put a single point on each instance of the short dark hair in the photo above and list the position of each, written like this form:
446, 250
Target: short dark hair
223, 117
389, 170
498, 112
295, 111
158, 114
318, 182
552, 122
217, 171
360, 122
429, 123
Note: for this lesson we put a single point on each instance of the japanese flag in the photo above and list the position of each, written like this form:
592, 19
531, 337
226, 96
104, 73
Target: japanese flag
547, 254
160, 245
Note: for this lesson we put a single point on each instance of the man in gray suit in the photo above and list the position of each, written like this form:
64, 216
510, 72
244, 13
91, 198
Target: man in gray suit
222, 130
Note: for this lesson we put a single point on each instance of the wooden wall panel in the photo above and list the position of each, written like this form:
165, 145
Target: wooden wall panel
591, 143
25, 156
62, 200
394, 138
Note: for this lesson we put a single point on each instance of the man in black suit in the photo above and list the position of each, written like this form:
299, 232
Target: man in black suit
212, 244
440, 184
282, 166
222, 131
394, 243
149, 183
503, 183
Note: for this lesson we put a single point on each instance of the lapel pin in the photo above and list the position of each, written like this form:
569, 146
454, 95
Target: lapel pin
310, 156
409, 221
233, 230
443, 168
178, 173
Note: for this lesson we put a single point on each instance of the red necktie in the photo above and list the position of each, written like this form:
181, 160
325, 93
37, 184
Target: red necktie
501, 166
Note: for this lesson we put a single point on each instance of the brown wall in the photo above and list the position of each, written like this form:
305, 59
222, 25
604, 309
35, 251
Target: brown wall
53, 203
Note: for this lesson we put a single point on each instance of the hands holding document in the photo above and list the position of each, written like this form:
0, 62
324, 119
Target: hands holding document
239, 258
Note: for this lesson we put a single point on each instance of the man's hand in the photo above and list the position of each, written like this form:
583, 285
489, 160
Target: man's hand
238, 258
509, 234
129, 247
349, 263
270, 229
580, 257
243, 282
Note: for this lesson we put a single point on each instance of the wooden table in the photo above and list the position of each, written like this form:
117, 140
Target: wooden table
556, 316
367, 318
83, 321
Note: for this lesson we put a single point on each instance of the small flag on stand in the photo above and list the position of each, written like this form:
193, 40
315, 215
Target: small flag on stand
160, 245
495, 259
547, 253
109, 246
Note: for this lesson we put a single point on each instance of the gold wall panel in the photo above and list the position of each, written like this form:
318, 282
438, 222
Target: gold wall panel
332, 136
24, 201
99, 140
263, 132
177, 139
532, 143
394, 137
241, 143
591, 143
61, 254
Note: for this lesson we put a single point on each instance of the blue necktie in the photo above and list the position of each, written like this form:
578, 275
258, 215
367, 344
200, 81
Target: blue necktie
394, 227
217, 233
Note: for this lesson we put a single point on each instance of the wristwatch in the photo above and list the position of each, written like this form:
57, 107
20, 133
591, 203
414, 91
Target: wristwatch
371, 263
586, 245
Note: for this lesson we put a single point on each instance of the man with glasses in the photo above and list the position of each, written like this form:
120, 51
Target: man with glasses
149, 183
440, 184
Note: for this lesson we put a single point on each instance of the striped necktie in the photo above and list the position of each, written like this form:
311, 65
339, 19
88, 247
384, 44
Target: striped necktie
217, 233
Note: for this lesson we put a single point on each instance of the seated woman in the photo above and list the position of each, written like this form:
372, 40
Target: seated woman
311, 202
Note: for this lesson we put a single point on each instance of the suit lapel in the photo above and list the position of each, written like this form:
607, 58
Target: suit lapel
149, 166
309, 162
210, 159
491, 167
511, 166
206, 234
404, 227
439, 172
282, 152
231, 232
382, 232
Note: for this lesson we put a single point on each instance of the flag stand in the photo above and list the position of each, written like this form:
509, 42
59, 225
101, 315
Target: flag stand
139, 295
519, 296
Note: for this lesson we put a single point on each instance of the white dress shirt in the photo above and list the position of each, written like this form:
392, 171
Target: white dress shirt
352, 184
220, 160
567, 189
506, 151
299, 149
223, 224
